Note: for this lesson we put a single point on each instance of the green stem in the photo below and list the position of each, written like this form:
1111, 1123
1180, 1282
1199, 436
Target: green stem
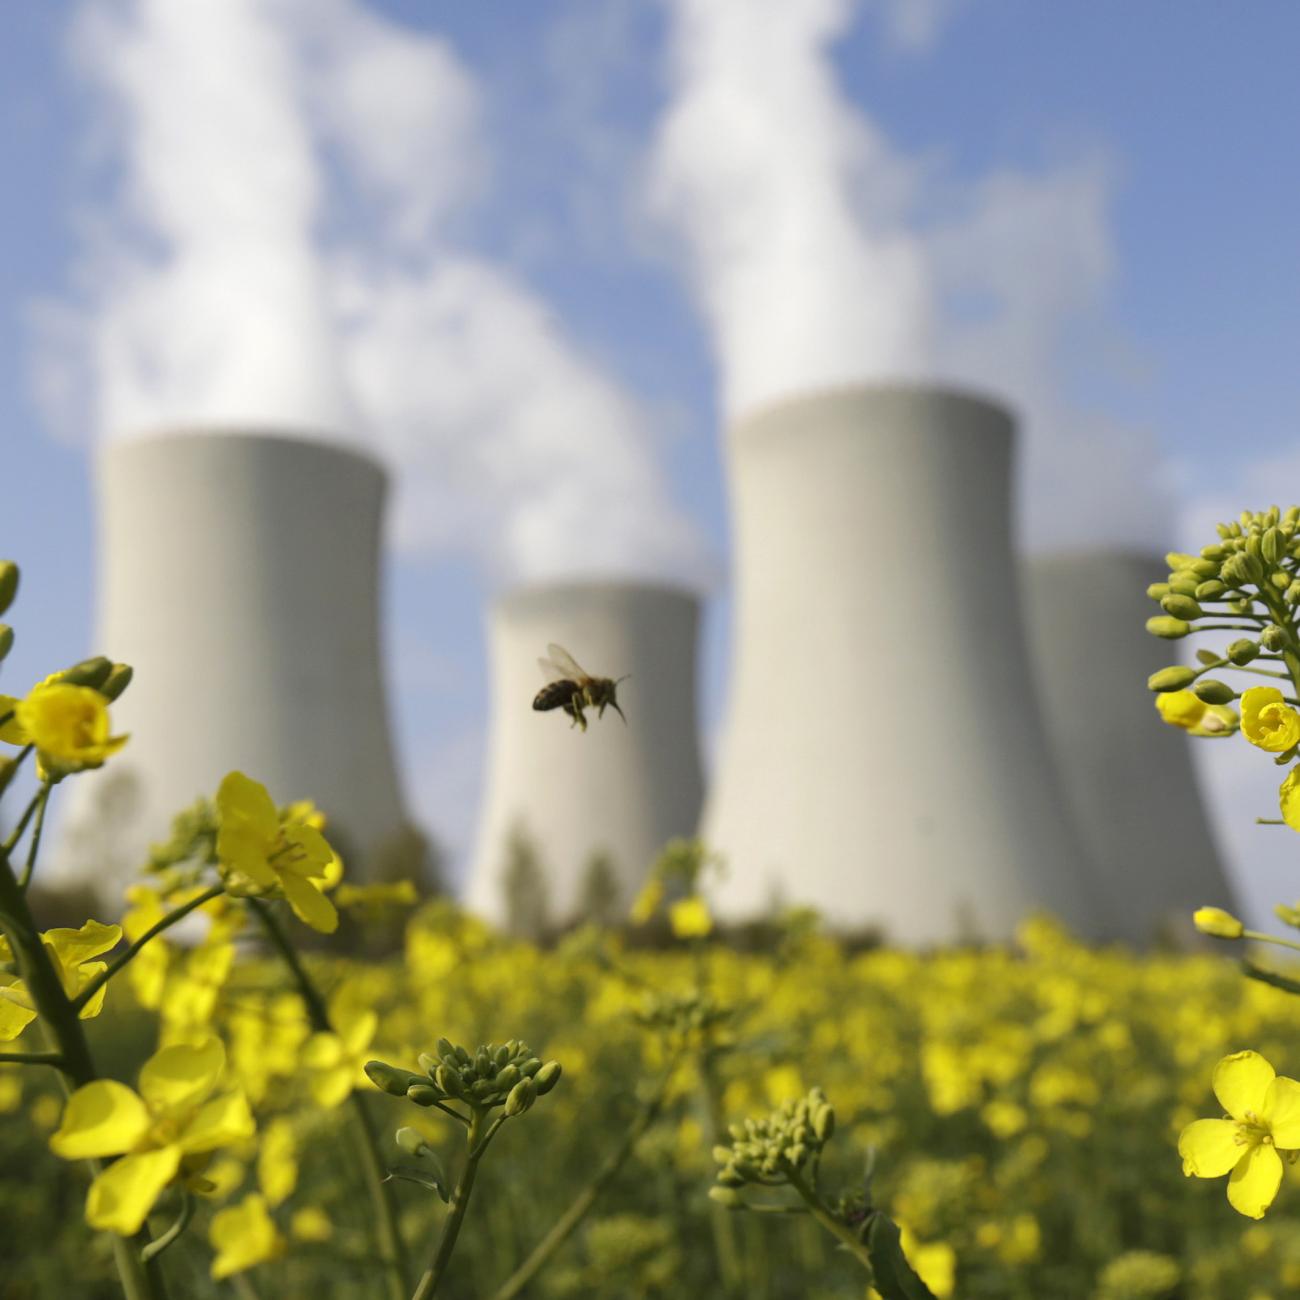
59, 1020
10, 770
1259, 672
32, 1058
1260, 937
133, 951
833, 1224
367, 1140
563, 1227
159, 1244
37, 801
34, 848
476, 1141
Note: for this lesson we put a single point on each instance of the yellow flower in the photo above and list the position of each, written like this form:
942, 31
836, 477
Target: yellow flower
261, 854
1289, 799
336, 1060
71, 952
67, 724
1184, 709
1267, 721
243, 1236
168, 1129
148, 971
690, 918
277, 1162
647, 902
1215, 921
310, 1224
1263, 1117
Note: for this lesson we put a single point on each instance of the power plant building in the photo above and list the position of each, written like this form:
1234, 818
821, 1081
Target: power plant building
883, 758
240, 577
607, 799
1128, 777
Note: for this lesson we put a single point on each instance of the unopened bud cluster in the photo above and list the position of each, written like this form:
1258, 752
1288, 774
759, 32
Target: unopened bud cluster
682, 1013
505, 1074
768, 1150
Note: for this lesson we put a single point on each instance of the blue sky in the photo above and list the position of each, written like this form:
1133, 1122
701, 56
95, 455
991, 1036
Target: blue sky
1171, 311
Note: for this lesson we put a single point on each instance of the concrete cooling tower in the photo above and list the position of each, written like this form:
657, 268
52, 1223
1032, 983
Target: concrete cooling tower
239, 576
883, 759
615, 793
1128, 777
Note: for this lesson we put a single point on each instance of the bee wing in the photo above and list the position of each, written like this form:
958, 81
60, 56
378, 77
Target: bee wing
565, 664
552, 671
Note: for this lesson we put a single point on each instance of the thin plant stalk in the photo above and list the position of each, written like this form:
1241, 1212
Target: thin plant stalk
564, 1226
367, 1140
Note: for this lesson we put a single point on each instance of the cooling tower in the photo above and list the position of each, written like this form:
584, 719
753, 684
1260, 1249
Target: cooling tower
883, 759
618, 792
239, 576
1128, 777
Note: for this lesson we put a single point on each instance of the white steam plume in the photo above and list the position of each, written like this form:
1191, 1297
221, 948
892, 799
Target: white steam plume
801, 237
281, 252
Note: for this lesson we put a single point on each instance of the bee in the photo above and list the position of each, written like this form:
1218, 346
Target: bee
572, 689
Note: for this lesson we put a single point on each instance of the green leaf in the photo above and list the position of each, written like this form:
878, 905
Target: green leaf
895, 1278
1270, 977
430, 1181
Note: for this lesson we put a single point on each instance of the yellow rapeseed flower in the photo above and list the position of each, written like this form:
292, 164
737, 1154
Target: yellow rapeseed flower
277, 1161
167, 1130
1263, 1117
1289, 799
243, 1236
1183, 709
690, 918
259, 853
68, 725
72, 953
1268, 721
337, 1060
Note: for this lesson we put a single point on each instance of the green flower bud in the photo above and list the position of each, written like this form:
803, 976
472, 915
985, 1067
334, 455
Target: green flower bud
1177, 678
1171, 629
117, 681
1243, 651
1211, 589
1158, 590
1180, 560
1214, 692
482, 1063
427, 1063
8, 584
424, 1093
413, 1142
1272, 637
444, 1048
1184, 584
1214, 552
501, 1056
449, 1081
824, 1123
1255, 545
89, 672
547, 1077
388, 1078
727, 1197
1287, 915
1242, 570
521, 1097
6, 639
506, 1077
1273, 546
1292, 594
1180, 606
530, 1066
1218, 923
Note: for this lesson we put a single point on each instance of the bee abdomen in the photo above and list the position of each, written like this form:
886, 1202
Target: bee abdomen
554, 695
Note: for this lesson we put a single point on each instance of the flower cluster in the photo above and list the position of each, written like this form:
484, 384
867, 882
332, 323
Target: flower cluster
768, 1150
506, 1075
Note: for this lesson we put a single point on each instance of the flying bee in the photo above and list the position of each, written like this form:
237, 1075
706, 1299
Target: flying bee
572, 689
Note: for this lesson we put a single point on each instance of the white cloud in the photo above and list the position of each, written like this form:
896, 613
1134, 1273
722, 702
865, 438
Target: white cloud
805, 247
281, 251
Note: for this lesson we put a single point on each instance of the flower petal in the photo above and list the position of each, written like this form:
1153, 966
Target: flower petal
124, 1193
243, 1235
1282, 1112
72, 947
241, 801
103, 1118
246, 851
1241, 1083
1209, 1148
1255, 1181
180, 1077
309, 905
223, 1120
16, 1011
322, 1052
